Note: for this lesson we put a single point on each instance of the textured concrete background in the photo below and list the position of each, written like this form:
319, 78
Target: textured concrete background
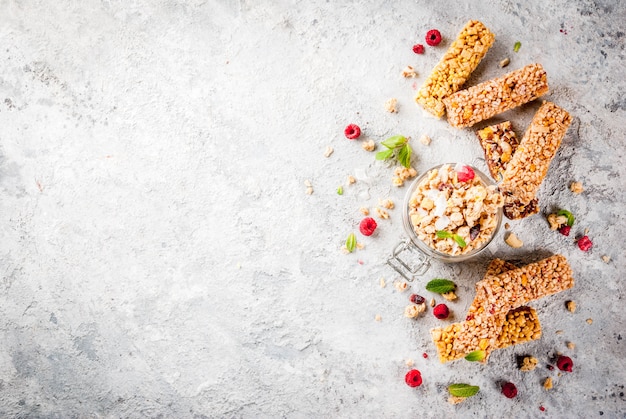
159, 254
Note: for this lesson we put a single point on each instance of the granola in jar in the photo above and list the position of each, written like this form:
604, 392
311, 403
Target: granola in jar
454, 210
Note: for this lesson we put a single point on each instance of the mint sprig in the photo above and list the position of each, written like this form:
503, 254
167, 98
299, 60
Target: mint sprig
351, 243
443, 234
476, 356
440, 286
569, 215
463, 390
398, 147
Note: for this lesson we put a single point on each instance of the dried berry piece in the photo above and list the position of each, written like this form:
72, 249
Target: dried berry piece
413, 378
465, 173
474, 231
584, 243
509, 390
565, 230
433, 37
564, 363
368, 226
418, 48
352, 132
417, 299
441, 311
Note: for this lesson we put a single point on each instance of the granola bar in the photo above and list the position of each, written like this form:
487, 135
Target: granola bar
455, 67
515, 288
499, 143
529, 165
477, 103
521, 325
516, 209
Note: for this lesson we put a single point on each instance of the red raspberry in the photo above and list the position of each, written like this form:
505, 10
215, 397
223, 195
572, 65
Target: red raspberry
368, 226
417, 299
465, 174
424, 355
433, 37
509, 390
565, 230
413, 378
584, 243
418, 48
543, 409
352, 132
441, 311
564, 363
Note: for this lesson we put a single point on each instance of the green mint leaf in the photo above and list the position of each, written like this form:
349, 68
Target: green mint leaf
340, 190
395, 141
404, 155
463, 390
351, 242
517, 46
476, 356
569, 215
443, 234
459, 240
440, 286
384, 155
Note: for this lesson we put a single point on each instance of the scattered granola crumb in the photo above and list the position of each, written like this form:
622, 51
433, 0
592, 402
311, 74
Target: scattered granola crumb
368, 145
413, 310
329, 151
529, 363
364, 211
571, 306
351, 179
513, 241
450, 296
589, 321
547, 384
344, 250
507, 226
382, 213
425, 139
571, 345
391, 105
387, 203
576, 187
308, 183
504, 62
456, 399
586, 231
606, 259
409, 72
409, 363
360, 246
397, 181
556, 221
559, 332
378, 318
309, 191
401, 285
383, 284
432, 302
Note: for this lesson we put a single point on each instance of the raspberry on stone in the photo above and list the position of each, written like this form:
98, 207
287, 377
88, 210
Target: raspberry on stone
509, 390
352, 132
565, 230
441, 311
417, 299
584, 243
433, 37
368, 226
564, 363
413, 378
418, 48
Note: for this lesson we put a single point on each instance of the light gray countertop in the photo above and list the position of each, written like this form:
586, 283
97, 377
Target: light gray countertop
160, 256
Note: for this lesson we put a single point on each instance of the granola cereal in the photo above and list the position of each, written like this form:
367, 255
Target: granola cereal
576, 187
468, 209
529, 363
460, 60
499, 143
482, 101
368, 145
391, 105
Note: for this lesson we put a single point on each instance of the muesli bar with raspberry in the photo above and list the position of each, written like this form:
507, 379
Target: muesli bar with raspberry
482, 101
455, 67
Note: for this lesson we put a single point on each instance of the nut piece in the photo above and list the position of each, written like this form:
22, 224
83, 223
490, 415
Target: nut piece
547, 384
456, 399
576, 187
571, 345
589, 321
378, 318
529, 363
329, 151
413, 310
513, 241
606, 259
368, 145
432, 302
571, 306
425, 139
409, 72
409, 363
401, 285
504, 62
351, 180
364, 211
309, 190
382, 213
391, 105
450, 296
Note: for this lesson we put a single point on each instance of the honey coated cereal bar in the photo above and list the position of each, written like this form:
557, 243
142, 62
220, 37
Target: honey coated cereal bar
528, 167
477, 103
499, 143
455, 67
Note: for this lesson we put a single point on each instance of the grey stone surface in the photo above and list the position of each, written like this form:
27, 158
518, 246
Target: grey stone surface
159, 254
